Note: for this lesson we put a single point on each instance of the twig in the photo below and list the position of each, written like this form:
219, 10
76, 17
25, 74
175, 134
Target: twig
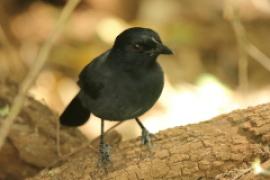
242, 173
242, 42
37, 66
109, 130
251, 49
88, 144
258, 55
63, 157
247, 46
252, 175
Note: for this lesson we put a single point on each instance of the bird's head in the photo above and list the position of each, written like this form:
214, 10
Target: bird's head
140, 43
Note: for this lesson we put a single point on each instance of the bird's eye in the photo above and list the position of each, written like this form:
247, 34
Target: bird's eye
138, 47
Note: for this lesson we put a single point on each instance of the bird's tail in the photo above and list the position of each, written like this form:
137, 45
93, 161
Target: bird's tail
75, 113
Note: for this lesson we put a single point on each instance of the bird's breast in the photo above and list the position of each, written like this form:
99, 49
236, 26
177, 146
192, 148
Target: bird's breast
126, 96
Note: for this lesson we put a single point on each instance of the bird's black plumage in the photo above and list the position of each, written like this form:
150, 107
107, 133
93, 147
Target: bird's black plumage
75, 111
122, 83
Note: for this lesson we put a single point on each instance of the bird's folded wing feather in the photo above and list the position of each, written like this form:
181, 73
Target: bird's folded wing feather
89, 79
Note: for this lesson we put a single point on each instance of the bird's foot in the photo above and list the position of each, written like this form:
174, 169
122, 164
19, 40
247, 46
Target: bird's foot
104, 154
146, 138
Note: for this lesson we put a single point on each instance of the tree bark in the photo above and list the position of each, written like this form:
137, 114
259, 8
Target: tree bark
221, 148
31, 144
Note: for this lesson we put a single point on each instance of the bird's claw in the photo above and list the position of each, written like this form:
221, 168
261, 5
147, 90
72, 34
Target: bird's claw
104, 154
146, 138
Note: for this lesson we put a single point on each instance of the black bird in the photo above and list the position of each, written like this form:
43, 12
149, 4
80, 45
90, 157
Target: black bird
120, 84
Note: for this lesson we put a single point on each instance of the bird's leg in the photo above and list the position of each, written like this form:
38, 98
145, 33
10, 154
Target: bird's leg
104, 149
146, 136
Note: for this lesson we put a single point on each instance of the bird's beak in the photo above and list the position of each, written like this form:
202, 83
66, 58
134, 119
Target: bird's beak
164, 49
161, 48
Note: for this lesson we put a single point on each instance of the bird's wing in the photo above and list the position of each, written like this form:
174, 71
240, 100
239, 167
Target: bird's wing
89, 79
91, 87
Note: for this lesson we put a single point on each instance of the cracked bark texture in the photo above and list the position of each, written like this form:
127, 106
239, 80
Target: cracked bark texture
31, 144
220, 148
